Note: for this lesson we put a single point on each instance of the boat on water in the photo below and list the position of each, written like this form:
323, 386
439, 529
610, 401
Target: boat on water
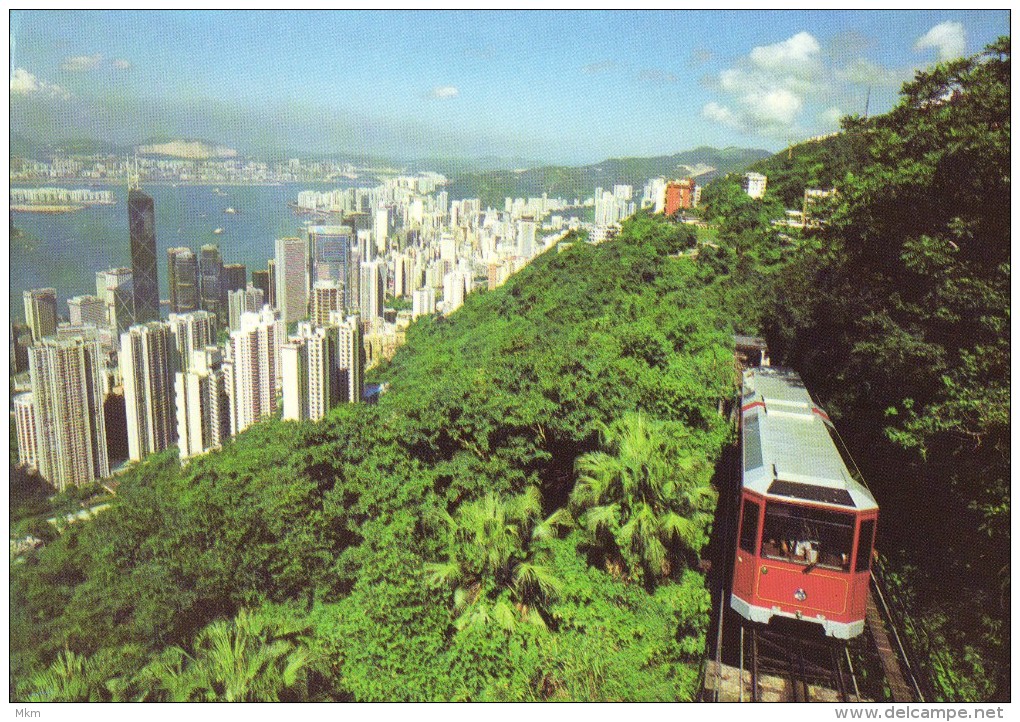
231, 210
218, 231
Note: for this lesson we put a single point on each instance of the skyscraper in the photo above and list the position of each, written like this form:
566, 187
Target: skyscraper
526, 237
327, 296
142, 223
182, 270
67, 391
350, 357
381, 230
116, 288
203, 404
373, 289
87, 311
272, 299
191, 332
260, 280
235, 278
27, 429
331, 256
210, 267
41, 312
247, 300
252, 367
291, 279
147, 360
313, 380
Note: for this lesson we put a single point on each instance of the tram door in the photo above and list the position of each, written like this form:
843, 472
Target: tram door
746, 563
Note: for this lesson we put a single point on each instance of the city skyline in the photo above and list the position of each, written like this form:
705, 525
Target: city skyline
539, 86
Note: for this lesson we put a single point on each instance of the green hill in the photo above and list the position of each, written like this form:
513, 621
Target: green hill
580, 182
432, 546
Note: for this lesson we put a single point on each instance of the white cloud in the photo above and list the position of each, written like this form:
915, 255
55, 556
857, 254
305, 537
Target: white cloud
658, 77
948, 39
767, 89
25, 83
121, 64
795, 55
444, 92
82, 63
720, 114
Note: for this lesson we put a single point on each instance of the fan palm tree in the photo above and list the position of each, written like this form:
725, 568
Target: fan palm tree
649, 500
497, 561
241, 660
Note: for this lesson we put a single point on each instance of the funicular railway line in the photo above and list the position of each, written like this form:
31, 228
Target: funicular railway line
789, 660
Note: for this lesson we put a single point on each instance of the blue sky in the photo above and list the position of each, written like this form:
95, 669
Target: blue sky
573, 86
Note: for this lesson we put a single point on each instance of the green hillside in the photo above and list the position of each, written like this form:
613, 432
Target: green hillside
434, 546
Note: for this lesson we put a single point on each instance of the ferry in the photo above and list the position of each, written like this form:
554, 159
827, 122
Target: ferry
218, 231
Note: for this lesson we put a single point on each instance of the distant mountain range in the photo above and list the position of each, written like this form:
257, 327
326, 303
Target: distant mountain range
703, 163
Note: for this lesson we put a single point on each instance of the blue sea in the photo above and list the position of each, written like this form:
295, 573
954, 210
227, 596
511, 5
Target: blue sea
64, 250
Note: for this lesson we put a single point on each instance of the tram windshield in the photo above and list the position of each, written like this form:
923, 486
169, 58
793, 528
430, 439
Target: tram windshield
808, 536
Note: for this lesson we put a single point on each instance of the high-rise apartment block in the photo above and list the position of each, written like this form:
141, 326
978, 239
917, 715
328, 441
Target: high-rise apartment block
679, 196
423, 302
313, 381
350, 357
182, 272
373, 290
87, 311
147, 365
327, 297
41, 312
248, 300
27, 429
191, 332
252, 367
332, 258
203, 403
142, 225
116, 288
67, 392
291, 279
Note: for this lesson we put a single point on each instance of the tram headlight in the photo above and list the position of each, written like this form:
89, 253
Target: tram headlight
800, 595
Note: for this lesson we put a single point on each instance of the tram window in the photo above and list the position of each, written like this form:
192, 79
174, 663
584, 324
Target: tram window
864, 545
749, 526
808, 536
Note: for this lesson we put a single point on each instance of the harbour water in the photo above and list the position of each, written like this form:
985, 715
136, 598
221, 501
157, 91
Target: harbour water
64, 250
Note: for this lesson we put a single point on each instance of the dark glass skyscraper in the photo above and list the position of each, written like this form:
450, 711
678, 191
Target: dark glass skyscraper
210, 268
142, 224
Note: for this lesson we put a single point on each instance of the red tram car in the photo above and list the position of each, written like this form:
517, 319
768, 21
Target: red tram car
807, 524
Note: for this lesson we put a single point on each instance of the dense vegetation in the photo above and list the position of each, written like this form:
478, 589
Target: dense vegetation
896, 312
436, 545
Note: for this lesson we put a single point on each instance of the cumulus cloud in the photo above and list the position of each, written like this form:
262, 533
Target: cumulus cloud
25, 83
444, 92
766, 90
82, 63
830, 117
948, 39
121, 64
796, 55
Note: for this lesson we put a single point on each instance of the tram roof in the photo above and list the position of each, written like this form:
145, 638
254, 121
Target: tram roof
789, 450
